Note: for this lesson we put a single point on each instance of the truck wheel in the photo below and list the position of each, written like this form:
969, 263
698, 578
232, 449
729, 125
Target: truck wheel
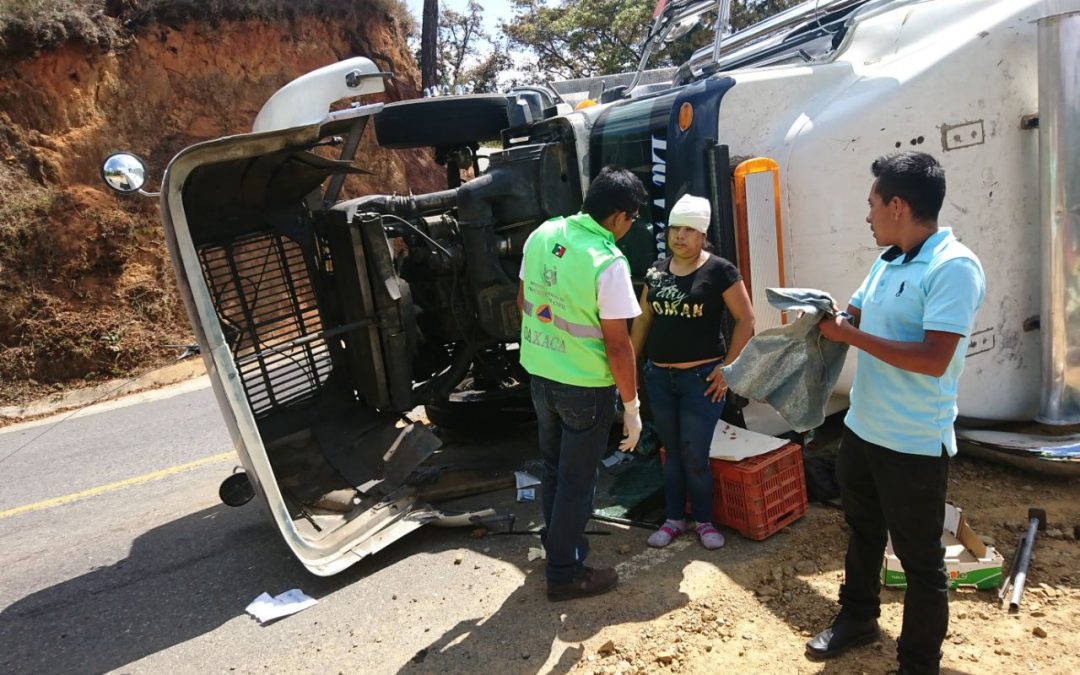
449, 121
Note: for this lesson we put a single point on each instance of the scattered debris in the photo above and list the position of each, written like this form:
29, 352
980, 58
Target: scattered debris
266, 608
606, 649
806, 567
339, 501
1039, 632
526, 486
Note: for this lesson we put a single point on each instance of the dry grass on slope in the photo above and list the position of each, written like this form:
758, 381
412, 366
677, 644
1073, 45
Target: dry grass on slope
27, 26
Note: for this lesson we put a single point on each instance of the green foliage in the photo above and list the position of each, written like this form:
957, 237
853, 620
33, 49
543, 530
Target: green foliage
467, 54
459, 40
745, 13
486, 76
585, 38
580, 38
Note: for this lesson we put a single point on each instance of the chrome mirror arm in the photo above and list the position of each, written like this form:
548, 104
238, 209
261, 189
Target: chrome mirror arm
679, 12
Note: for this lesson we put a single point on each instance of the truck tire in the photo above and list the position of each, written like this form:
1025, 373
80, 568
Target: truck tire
450, 121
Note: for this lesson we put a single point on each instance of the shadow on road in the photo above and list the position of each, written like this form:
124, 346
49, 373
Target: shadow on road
179, 581
521, 634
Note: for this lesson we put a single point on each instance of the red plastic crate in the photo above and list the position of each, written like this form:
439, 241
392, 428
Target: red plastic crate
761, 495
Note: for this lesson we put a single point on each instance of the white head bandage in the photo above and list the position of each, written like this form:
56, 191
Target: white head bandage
690, 211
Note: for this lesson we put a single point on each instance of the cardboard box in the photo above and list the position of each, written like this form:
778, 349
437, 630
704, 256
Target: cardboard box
970, 562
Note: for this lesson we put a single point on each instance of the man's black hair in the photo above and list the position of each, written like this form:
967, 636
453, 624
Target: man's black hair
615, 189
915, 177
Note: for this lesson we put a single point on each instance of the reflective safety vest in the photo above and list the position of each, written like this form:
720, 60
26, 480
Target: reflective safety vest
560, 325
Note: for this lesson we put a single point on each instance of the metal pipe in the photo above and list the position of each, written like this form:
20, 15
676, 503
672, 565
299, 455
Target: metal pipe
348, 151
404, 206
629, 522
690, 11
1059, 200
723, 16
1004, 590
1022, 558
1019, 576
798, 15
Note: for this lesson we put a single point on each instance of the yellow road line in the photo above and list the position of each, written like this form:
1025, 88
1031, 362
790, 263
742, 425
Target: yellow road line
109, 487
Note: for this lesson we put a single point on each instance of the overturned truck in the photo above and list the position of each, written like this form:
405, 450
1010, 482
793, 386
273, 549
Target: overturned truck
323, 321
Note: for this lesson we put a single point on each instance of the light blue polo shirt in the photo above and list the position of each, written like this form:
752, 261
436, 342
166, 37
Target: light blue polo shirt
938, 286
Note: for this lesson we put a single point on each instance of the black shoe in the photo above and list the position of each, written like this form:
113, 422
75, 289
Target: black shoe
841, 636
591, 582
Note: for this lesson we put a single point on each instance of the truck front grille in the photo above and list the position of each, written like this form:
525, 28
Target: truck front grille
261, 287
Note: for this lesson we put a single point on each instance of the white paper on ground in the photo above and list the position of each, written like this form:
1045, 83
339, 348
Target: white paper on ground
526, 495
525, 479
526, 486
735, 443
266, 608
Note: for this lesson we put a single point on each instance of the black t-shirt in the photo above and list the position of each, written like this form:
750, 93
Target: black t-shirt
688, 311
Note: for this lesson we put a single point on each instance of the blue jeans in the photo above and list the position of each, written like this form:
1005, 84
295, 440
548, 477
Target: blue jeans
573, 424
685, 420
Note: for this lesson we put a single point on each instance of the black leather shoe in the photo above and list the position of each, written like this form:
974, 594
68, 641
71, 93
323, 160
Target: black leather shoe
591, 582
841, 636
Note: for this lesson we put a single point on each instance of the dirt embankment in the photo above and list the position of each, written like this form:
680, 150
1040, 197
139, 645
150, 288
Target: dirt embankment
750, 607
86, 287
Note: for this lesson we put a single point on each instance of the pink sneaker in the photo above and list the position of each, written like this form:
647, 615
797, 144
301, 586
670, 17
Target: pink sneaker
710, 537
668, 531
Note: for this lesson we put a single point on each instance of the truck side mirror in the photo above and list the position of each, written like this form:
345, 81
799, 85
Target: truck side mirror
124, 173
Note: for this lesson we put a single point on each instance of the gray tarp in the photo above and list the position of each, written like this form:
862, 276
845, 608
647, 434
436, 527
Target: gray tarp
792, 368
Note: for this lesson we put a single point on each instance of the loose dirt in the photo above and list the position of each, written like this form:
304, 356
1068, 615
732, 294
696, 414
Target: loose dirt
751, 606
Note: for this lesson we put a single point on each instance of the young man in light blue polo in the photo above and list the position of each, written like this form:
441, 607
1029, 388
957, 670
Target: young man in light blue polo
912, 314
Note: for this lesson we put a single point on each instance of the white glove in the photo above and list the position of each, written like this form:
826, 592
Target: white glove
631, 425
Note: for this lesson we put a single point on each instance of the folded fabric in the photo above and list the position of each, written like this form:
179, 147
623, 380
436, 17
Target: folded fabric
792, 368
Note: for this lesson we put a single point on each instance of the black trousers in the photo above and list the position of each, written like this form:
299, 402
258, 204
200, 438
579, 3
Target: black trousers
894, 493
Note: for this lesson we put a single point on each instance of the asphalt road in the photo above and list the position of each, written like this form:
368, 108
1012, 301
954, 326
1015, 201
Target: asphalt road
119, 557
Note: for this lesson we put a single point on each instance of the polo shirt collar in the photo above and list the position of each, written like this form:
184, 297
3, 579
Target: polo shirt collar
922, 252
586, 221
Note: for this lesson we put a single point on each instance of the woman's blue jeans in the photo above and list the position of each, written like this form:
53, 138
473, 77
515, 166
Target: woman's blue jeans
685, 420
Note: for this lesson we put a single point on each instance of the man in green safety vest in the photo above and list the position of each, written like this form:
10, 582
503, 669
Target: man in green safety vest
575, 297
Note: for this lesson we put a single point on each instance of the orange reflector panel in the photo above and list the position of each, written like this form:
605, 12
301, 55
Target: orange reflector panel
759, 235
686, 116
586, 103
